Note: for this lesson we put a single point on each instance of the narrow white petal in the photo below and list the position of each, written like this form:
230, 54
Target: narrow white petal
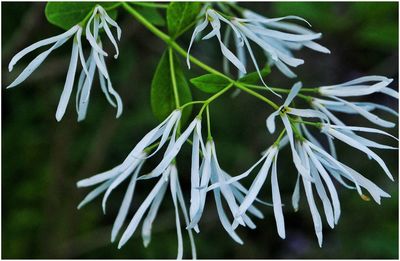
111, 37
142, 209
364, 129
373, 189
173, 181
282, 35
293, 93
296, 195
199, 28
124, 175
58, 38
104, 89
151, 215
172, 153
248, 46
362, 148
126, 202
285, 69
94, 193
368, 115
296, 159
307, 113
225, 51
328, 182
96, 179
276, 199
92, 38
271, 121
34, 64
390, 92
258, 182
81, 55
69, 83
252, 209
186, 217
241, 176
314, 211
331, 162
110, 21
316, 47
324, 197
223, 218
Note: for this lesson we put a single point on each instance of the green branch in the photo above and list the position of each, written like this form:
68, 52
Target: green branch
173, 77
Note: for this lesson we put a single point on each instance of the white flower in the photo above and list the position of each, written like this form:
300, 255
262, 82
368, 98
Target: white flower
195, 195
270, 157
152, 204
359, 87
322, 165
156, 139
114, 177
214, 18
282, 112
109, 181
98, 20
231, 190
342, 133
88, 67
277, 39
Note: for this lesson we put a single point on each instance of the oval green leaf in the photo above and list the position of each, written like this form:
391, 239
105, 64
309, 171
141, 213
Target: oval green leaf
210, 83
253, 77
180, 16
151, 14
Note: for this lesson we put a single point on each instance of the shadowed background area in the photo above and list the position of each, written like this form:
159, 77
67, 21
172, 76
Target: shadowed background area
42, 160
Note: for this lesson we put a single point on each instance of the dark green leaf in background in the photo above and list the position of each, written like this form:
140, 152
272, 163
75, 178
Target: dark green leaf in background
180, 15
253, 77
210, 83
162, 94
152, 15
68, 14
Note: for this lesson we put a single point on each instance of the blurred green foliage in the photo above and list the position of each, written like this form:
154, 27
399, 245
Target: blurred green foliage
42, 160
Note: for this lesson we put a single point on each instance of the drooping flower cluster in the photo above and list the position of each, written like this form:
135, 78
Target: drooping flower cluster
319, 169
275, 37
99, 20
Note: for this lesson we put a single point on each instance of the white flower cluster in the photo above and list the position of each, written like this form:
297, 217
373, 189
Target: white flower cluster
318, 168
277, 38
99, 20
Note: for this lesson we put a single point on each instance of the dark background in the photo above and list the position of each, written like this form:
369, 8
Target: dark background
42, 160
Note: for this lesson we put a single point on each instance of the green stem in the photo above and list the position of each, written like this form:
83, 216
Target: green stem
191, 103
315, 124
209, 137
173, 77
169, 41
212, 98
182, 52
282, 90
256, 94
149, 4
278, 140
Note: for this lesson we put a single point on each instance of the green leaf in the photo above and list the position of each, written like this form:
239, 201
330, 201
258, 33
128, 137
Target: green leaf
152, 15
253, 77
162, 94
210, 83
180, 15
68, 14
